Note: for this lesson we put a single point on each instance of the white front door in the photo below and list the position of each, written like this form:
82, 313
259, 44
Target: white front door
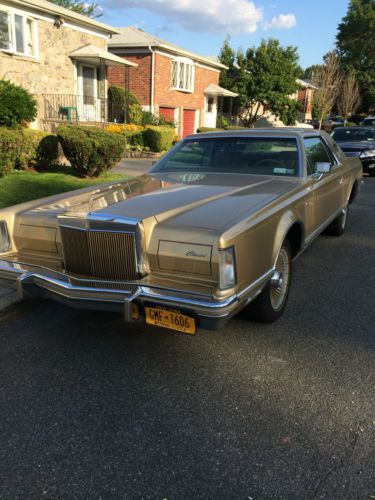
89, 104
210, 115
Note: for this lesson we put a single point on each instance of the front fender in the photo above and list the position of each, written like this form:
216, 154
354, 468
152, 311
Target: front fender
287, 221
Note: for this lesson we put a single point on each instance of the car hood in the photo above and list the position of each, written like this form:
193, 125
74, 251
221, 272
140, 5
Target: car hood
201, 200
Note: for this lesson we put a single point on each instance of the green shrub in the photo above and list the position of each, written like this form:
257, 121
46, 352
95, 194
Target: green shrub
121, 101
47, 151
159, 138
148, 118
30, 143
22, 148
90, 150
135, 140
222, 122
17, 106
10, 148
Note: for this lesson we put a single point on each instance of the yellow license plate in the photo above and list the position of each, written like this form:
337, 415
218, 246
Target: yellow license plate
170, 319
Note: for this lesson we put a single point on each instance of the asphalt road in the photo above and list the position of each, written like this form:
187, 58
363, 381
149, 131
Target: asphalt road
93, 408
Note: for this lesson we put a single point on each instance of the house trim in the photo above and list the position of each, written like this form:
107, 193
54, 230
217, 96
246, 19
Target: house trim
51, 8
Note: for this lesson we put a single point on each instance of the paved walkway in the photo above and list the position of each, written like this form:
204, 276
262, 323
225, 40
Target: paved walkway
134, 166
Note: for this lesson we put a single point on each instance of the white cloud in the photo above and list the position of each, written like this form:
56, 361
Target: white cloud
215, 16
282, 21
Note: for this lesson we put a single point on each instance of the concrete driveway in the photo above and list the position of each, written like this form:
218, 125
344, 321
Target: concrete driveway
95, 408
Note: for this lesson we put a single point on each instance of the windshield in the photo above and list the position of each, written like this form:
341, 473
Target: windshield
240, 155
352, 134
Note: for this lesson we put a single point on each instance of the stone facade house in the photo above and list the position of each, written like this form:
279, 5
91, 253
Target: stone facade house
169, 80
59, 56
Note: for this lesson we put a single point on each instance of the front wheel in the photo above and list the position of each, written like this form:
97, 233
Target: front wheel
271, 302
338, 226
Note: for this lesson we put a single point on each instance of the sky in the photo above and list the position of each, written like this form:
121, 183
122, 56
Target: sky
202, 25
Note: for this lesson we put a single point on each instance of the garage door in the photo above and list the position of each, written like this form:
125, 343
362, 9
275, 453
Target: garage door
189, 122
168, 113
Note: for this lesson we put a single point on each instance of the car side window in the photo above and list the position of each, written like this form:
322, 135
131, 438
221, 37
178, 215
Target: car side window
316, 152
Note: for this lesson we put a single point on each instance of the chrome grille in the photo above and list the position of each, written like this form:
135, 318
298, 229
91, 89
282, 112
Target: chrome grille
100, 254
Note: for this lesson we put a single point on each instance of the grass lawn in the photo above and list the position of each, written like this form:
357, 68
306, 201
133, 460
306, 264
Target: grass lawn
20, 186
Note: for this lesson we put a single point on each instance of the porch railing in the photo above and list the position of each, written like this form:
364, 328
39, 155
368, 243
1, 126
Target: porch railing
79, 108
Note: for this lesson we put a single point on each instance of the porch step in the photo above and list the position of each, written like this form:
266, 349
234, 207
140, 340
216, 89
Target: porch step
8, 294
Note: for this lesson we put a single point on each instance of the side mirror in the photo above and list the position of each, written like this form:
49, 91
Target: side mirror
322, 167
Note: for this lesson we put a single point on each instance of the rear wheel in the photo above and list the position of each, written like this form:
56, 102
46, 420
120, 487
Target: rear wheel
338, 226
271, 302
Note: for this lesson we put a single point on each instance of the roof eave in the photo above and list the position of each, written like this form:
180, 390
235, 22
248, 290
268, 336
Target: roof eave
168, 48
67, 14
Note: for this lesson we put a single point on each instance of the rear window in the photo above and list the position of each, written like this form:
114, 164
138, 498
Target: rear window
369, 122
244, 155
352, 134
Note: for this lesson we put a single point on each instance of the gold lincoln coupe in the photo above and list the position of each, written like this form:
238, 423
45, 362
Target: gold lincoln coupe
211, 230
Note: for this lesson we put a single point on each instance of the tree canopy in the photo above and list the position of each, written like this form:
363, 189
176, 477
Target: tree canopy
264, 77
82, 7
310, 71
355, 43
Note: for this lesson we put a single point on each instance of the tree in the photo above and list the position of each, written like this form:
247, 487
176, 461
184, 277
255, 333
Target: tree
264, 77
17, 105
355, 43
85, 8
310, 71
349, 97
328, 82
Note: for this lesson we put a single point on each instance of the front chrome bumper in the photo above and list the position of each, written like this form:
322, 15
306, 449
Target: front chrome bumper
36, 281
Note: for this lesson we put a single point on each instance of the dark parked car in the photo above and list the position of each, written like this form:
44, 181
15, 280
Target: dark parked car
358, 142
369, 122
332, 122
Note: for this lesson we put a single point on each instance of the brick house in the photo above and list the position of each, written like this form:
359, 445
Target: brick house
168, 80
305, 95
59, 56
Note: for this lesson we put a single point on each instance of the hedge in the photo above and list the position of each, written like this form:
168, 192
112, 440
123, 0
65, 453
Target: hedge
135, 139
21, 148
155, 138
159, 138
90, 150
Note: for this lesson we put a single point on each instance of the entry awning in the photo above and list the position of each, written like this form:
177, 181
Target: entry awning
93, 55
214, 89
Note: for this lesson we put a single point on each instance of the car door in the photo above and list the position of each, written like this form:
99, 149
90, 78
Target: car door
328, 187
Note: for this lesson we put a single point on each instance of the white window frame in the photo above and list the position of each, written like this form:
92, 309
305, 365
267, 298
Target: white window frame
11, 13
186, 64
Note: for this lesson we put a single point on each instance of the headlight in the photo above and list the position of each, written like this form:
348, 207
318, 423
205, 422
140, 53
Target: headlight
4, 237
367, 154
227, 268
